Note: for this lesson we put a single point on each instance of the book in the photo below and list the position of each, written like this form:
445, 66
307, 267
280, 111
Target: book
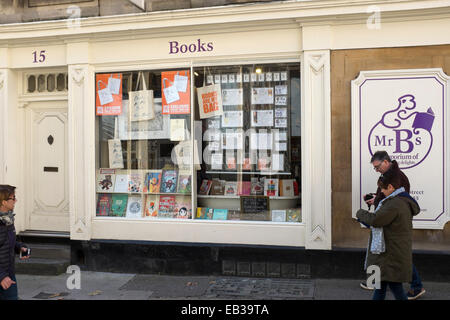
279, 215
231, 163
169, 181
220, 214
287, 187
152, 181
205, 187
121, 184
234, 214
246, 164
151, 206
119, 205
104, 204
135, 182
134, 207
209, 213
230, 188
201, 213
263, 164
294, 215
271, 187
166, 206
244, 188
184, 183
257, 186
217, 188
105, 182
183, 208
295, 188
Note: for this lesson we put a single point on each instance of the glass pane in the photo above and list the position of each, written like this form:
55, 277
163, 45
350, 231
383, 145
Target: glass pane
251, 151
31, 83
60, 82
144, 145
41, 83
51, 82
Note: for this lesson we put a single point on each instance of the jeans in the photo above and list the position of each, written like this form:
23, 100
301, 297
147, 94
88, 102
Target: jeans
396, 289
416, 283
11, 293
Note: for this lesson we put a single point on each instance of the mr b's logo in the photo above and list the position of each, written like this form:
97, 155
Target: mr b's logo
405, 132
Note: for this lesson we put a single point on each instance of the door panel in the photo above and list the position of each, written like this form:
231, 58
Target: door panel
48, 207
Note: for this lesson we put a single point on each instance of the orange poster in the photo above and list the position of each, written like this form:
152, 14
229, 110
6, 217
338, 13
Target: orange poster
176, 92
108, 94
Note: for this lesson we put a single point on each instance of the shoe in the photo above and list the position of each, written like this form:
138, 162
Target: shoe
414, 294
363, 285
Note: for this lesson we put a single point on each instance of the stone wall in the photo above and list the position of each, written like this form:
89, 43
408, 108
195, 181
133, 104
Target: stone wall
345, 67
16, 11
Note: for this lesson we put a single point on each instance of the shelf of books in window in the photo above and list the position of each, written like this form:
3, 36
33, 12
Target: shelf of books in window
144, 194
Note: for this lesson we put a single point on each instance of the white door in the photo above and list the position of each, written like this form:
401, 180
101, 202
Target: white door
47, 203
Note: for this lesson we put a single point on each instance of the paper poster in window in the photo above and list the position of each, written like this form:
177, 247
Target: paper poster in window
210, 101
280, 123
232, 119
108, 97
281, 89
232, 97
262, 95
174, 99
261, 118
280, 100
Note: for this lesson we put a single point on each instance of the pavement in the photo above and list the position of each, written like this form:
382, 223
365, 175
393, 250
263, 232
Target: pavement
89, 285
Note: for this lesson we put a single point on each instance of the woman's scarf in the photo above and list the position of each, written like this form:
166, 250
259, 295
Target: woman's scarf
7, 217
378, 245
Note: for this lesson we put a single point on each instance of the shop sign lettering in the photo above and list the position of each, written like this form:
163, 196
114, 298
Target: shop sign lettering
198, 46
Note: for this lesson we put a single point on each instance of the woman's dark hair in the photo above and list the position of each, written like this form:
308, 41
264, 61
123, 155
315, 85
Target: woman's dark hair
387, 179
380, 156
6, 191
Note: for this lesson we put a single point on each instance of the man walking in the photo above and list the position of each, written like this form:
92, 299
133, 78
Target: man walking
382, 163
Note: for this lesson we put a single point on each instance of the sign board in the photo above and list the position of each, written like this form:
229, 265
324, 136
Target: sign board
255, 204
404, 112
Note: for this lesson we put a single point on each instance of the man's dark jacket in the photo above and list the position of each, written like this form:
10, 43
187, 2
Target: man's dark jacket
8, 247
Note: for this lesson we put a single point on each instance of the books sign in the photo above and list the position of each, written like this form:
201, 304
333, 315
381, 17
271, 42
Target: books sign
403, 113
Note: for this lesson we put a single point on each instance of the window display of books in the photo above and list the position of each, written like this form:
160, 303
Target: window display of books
272, 187
137, 194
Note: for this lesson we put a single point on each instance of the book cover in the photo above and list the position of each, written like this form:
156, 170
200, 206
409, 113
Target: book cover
287, 187
294, 215
209, 213
271, 187
201, 213
263, 164
279, 215
119, 205
121, 184
217, 188
104, 204
234, 215
244, 188
105, 182
231, 188
134, 207
169, 181
166, 206
246, 164
151, 206
183, 208
220, 214
231, 163
135, 183
257, 187
295, 188
184, 183
205, 187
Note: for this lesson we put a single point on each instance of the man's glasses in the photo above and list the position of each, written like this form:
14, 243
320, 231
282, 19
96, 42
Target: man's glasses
13, 198
378, 166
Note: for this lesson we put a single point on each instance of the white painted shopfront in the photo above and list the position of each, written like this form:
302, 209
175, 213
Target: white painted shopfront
57, 181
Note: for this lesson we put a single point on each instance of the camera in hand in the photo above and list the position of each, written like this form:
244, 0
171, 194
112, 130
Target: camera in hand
25, 253
368, 197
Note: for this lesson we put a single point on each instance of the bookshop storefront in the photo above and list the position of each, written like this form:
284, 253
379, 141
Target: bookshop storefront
185, 135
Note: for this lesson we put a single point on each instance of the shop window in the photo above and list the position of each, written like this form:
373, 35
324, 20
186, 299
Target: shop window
251, 151
144, 145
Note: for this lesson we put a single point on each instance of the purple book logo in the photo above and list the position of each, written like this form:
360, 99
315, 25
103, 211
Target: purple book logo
404, 132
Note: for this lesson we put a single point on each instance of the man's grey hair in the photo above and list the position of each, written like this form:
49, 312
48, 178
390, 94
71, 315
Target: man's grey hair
380, 156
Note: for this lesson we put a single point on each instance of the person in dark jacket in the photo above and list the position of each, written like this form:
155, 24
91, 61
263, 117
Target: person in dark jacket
383, 164
8, 244
394, 215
